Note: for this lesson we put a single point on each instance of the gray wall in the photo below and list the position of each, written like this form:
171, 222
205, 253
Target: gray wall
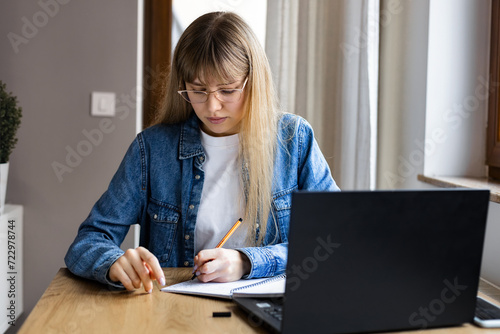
72, 49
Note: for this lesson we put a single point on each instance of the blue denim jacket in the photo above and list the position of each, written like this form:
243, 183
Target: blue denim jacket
158, 185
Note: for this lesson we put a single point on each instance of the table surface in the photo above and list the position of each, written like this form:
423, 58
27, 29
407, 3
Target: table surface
75, 305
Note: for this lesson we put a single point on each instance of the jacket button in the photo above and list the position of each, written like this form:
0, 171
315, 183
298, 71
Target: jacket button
155, 216
191, 206
186, 237
202, 159
186, 263
197, 177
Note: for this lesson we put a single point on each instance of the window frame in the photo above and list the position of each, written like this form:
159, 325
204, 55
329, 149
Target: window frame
493, 129
156, 50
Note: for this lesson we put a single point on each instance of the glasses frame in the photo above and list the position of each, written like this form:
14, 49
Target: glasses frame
215, 92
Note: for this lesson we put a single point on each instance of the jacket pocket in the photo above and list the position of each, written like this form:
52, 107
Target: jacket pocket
282, 206
163, 228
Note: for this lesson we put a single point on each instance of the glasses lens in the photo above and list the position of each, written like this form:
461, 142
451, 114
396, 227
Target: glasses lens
223, 95
185, 96
229, 95
194, 96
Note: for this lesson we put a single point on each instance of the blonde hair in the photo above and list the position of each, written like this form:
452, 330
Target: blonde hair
220, 45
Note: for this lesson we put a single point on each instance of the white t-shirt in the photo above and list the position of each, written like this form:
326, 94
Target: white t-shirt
222, 198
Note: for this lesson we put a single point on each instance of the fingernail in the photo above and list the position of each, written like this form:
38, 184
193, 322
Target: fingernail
194, 268
198, 273
150, 290
162, 281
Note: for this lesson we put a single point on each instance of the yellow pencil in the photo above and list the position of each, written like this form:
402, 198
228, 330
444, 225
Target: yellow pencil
223, 241
229, 233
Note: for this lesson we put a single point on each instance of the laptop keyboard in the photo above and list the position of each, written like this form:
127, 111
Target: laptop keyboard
274, 309
485, 311
275, 312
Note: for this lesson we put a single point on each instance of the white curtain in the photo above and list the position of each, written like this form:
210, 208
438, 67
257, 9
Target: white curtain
324, 58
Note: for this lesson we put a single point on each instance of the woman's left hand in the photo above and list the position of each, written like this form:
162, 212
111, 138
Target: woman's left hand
220, 265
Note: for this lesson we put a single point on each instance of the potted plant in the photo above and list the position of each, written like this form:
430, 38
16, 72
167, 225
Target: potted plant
10, 116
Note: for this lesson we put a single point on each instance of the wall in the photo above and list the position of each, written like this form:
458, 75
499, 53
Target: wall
68, 49
457, 95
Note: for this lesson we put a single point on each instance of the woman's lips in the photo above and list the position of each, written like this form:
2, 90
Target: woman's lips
216, 120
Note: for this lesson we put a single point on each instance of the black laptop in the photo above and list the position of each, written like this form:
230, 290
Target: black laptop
372, 261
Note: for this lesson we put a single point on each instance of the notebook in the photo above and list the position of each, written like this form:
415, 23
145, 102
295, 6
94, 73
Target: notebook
371, 261
261, 287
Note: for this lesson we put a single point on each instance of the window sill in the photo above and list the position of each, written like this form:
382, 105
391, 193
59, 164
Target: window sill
489, 289
465, 182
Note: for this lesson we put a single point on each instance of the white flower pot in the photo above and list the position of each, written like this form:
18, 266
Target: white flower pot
4, 172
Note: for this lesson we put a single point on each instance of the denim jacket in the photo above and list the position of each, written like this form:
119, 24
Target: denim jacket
159, 184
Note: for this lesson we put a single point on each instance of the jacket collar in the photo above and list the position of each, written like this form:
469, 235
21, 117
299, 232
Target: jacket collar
190, 141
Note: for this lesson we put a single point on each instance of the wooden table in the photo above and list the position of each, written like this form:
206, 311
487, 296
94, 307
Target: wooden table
75, 305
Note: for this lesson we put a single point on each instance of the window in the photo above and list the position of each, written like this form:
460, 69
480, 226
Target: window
493, 131
157, 37
254, 12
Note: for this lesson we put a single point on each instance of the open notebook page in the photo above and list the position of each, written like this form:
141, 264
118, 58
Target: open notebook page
273, 287
224, 290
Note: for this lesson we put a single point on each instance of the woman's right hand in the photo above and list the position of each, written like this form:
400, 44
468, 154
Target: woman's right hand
135, 267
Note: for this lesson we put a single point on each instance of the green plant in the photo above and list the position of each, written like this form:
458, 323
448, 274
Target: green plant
10, 115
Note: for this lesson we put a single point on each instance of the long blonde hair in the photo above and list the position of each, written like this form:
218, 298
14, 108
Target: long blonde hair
220, 45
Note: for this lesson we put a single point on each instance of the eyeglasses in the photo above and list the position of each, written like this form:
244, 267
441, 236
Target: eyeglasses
224, 95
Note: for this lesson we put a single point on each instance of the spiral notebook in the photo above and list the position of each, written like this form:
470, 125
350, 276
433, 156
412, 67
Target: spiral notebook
256, 288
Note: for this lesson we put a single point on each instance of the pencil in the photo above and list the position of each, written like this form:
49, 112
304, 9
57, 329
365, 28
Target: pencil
229, 233
223, 240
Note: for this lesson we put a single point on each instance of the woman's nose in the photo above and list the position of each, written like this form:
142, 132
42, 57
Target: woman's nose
213, 103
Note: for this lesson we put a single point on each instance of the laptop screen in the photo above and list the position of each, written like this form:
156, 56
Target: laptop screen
383, 260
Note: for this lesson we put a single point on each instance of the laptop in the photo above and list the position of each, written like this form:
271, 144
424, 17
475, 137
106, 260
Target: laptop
370, 261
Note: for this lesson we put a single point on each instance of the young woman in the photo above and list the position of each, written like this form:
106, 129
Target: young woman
221, 150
